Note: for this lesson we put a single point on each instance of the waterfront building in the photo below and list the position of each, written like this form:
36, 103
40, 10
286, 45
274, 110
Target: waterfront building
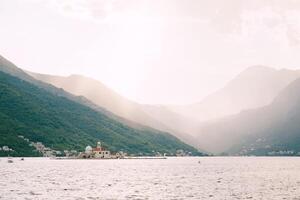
98, 152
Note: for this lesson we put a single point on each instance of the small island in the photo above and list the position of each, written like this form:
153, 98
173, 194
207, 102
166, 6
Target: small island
99, 152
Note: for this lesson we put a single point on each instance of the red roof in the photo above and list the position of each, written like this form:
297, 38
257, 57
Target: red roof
98, 149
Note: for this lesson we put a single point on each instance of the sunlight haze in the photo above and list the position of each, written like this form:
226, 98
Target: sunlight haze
150, 99
152, 52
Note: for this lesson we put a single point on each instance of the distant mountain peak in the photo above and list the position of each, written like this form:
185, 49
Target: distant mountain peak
76, 76
259, 68
254, 87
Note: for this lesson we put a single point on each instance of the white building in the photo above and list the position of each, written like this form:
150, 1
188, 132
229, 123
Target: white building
6, 148
98, 152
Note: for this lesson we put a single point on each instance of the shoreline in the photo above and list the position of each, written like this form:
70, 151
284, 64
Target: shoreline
125, 158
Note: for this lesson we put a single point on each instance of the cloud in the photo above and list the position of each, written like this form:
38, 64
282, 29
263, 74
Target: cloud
98, 10
269, 24
129, 11
256, 23
293, 27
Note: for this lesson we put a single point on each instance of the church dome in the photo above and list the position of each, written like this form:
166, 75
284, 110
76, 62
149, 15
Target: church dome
88, 149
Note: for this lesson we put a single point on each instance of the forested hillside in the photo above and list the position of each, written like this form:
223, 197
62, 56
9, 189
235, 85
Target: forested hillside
60, 123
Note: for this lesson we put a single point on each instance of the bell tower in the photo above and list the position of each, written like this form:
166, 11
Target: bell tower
99, 145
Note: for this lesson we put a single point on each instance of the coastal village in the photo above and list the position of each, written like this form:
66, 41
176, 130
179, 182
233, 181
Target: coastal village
97, 152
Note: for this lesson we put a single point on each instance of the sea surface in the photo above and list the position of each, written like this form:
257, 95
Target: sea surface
174, 178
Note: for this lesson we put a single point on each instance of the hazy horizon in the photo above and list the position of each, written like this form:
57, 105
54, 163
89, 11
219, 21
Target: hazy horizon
150, 99
166, 52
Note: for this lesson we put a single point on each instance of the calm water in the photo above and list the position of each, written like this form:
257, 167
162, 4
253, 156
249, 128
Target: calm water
174, 178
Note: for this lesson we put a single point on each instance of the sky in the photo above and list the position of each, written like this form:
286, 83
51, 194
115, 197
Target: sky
151, 51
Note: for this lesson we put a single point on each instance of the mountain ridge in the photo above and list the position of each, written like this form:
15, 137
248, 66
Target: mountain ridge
105, 97
40, 114
254, 87
260, 131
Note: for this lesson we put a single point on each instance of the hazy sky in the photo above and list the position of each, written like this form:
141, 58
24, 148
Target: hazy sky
151, 51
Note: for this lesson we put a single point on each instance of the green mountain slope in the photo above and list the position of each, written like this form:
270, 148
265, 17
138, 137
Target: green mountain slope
158, 117
10, 68
97, 96
60, 123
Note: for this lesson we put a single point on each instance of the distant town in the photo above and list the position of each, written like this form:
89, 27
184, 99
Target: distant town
100, 152
89, 152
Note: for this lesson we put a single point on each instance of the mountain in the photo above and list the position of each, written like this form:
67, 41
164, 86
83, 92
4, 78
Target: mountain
101, 95
269, 130
182, 127
49, 116
62, 124
158, 117
8, 67
255, 87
